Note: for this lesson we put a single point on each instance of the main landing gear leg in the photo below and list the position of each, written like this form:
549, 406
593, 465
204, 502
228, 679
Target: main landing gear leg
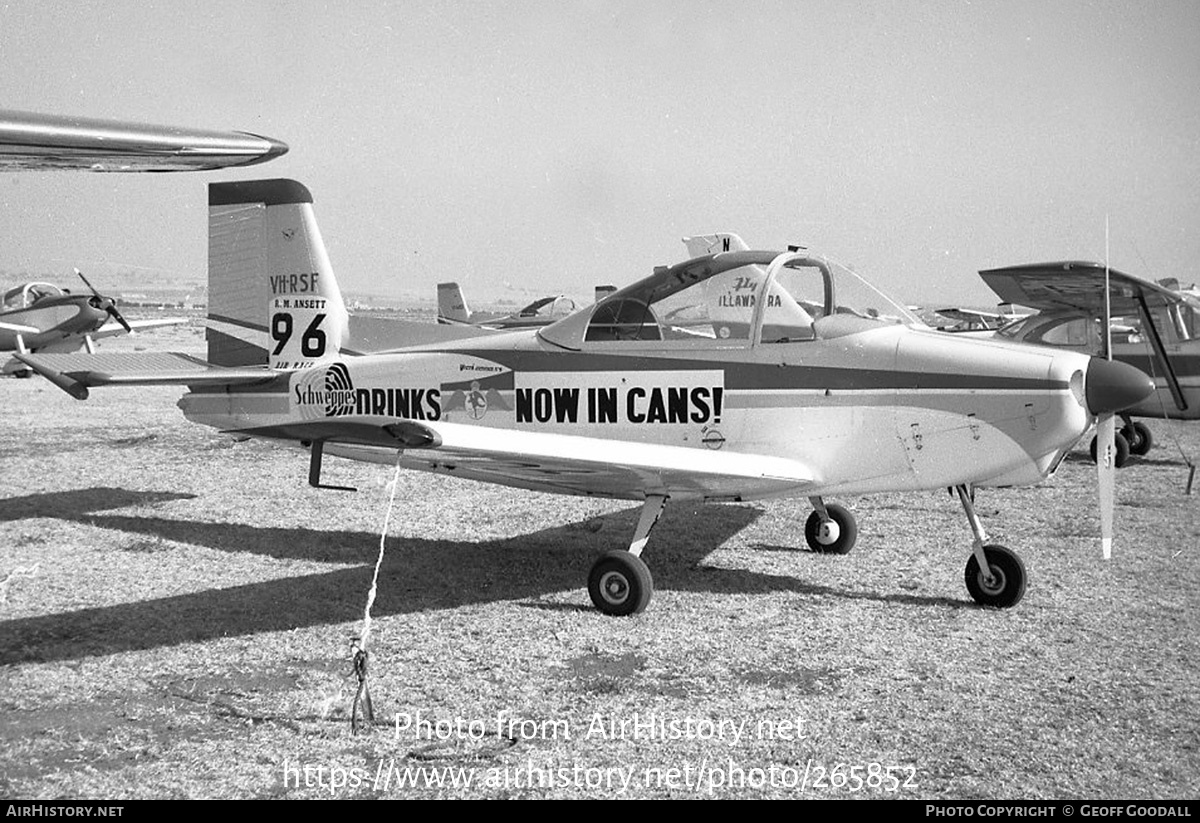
995, 575
620, 582
831, 528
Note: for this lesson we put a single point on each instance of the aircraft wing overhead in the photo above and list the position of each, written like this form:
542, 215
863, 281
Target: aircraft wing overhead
560, 462
1073, 285
39, 142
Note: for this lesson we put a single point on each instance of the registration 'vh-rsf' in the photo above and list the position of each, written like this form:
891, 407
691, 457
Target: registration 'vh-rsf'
669, 389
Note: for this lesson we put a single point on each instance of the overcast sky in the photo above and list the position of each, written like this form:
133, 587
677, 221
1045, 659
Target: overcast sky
553, 146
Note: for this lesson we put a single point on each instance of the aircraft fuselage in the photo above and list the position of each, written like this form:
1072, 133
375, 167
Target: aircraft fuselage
867, 407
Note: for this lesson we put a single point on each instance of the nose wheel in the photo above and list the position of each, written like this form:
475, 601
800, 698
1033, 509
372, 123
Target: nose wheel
1137, 434
1003, 585
995, 575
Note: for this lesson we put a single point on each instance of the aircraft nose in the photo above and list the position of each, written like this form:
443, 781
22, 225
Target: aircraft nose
1112, 386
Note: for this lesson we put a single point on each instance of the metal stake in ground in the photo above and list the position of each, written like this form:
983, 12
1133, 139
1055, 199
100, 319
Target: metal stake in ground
361, 657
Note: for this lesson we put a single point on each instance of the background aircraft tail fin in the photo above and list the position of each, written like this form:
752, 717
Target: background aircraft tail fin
604, 291
272, 295
703, 244
452, 304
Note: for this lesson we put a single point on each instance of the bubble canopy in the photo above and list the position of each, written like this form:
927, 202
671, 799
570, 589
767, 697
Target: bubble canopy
736, 299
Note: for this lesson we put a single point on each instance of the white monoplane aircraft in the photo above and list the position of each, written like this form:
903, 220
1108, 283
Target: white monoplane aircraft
810, 393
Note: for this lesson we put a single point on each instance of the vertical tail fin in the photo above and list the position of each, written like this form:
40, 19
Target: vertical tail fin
452, 304
703, 244
272, 295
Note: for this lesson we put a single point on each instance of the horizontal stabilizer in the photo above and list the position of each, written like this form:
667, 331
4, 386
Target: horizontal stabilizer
371, 335
81, 370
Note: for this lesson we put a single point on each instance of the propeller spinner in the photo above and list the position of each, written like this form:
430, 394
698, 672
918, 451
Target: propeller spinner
109, 305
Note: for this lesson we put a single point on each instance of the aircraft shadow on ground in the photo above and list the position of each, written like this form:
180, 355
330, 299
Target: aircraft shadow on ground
72, 505
417, 575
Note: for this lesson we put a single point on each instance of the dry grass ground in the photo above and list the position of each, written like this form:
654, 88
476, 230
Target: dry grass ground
185, 629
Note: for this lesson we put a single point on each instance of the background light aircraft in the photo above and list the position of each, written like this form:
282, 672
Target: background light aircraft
41, 317
797, 399
970, 320
453, 310
1154, 327
41, 142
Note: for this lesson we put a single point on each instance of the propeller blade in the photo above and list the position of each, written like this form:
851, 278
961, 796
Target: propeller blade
1106, 457
88, 284
116, 315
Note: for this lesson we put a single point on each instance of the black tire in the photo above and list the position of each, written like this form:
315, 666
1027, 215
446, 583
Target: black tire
1142, 440
1122, 447
847, 530
1008, 578
620, 584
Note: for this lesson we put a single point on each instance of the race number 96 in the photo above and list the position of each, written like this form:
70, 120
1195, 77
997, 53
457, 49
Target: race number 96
310, 342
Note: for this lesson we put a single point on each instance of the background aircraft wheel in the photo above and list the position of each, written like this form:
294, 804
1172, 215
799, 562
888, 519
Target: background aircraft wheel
839, 535
1140, 439
1007, 585
1122, 447
620, 584
23, 373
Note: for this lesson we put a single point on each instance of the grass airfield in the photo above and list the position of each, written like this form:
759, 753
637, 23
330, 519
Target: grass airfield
178, 608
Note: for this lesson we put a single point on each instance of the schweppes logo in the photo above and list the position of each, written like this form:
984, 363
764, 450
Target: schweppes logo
330, 392
339, 391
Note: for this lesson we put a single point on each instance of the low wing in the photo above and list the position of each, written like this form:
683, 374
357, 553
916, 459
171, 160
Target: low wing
114, 329
968, 315
1077, 286
18, 328
34, 142
564, 463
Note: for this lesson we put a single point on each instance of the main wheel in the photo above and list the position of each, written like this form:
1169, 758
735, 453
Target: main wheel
1005, 587
1121, 446
620, 584
835, 536
1140, 439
